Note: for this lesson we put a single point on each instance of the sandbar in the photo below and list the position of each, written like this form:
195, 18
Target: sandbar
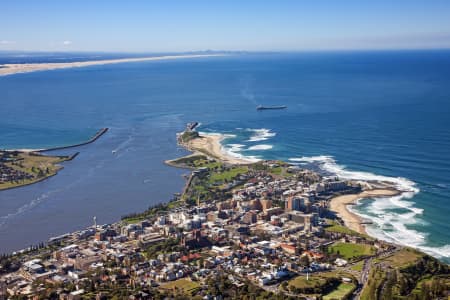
9, 69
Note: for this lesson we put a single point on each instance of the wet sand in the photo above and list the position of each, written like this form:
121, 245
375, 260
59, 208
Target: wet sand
339, 205
210, 144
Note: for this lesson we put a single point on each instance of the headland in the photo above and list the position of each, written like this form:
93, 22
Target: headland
210, 145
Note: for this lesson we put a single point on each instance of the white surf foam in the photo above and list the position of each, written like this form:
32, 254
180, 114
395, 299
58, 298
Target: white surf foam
390, 216
327, 163
223, 135
260, 147
260, 134
234, 149
393, 226
401, 234
384, 203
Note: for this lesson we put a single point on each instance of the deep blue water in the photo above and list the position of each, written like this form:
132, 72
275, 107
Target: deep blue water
360, 114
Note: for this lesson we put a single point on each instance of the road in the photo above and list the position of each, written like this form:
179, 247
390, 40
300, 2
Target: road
362, 280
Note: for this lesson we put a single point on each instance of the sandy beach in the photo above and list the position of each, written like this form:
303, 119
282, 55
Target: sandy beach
24, 150
210, 144
9, 69
339, 205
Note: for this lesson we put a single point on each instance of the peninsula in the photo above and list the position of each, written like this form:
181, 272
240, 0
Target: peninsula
238, 230
210, 145
9, 69
22, 167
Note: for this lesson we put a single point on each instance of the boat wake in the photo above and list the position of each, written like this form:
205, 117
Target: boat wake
26, 207
48, 195
124, 146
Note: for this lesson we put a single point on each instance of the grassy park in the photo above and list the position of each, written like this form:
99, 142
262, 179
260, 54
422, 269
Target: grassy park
350, 251
312, 282
358, 266
28, 167
183, 285
342, 291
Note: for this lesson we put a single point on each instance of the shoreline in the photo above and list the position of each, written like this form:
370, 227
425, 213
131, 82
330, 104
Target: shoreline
351, 220
95, 137
10, 69
56, 171
32, 182
210, 145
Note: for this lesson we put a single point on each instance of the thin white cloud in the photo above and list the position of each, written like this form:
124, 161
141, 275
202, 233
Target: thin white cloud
6, 42
67, 43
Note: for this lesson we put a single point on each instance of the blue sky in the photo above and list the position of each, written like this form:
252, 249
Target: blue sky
189, 25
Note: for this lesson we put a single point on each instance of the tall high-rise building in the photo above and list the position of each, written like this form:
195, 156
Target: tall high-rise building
294, 203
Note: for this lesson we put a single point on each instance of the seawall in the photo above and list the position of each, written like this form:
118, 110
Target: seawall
91, 140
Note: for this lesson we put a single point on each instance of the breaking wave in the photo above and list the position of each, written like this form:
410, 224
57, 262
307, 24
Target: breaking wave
233, 152
223, 135
328, 164
260, 147
393, 217
260, 134
234, 149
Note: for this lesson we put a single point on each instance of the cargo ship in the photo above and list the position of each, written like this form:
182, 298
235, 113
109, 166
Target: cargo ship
260, 107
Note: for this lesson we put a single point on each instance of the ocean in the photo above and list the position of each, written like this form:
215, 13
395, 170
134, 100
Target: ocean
361, 115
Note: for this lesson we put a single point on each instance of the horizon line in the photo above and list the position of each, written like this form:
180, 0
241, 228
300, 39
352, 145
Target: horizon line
232, 51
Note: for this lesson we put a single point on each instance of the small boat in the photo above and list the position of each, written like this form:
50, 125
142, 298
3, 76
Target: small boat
260, 107
113, 152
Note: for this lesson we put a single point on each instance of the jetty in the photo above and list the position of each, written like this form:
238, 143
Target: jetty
91, 140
